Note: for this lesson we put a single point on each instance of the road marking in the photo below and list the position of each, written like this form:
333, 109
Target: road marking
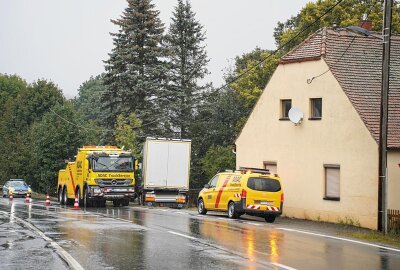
183, 235
182, 213
340, 238
60, 251
253, 223
284, 266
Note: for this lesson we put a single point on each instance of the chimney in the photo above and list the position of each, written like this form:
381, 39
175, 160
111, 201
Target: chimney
365, 23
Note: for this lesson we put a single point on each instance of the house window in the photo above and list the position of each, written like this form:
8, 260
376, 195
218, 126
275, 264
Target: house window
286, 104
271, 166
315, 108
332, 182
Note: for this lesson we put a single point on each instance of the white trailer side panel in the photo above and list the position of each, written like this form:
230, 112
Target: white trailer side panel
156, 165
166, 164
178, 164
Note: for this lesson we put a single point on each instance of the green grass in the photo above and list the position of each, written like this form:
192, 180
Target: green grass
392, 239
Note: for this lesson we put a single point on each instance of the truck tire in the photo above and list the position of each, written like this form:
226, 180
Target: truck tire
78, 195
65, 197
60, 196
270, 218
232, 213
125, 202
116, 203
201, 208
86, 201
101, 203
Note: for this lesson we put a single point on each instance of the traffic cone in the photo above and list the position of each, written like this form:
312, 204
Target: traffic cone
76, 203
11, 197
47, 203
28, 198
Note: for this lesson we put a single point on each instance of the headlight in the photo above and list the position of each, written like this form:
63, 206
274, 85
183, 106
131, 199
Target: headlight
29, 190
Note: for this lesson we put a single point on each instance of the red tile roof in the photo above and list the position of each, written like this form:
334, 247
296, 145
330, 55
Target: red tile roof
356, 62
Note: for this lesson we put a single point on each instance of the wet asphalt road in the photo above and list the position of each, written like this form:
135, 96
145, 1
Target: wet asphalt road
158, 238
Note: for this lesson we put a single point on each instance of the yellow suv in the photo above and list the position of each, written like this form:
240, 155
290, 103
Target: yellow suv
246, 191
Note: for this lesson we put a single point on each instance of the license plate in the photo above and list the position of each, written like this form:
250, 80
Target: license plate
267, 203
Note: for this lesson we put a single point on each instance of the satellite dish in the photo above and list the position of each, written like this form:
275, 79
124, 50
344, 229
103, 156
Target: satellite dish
295, 115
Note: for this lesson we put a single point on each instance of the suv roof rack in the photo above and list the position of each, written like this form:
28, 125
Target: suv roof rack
254, 170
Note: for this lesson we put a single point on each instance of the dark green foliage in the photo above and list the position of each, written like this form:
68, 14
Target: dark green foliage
218, 159
188, 61
10, 86
88, 100
136, 69
52, 142
35, 141
214, 124
347, 13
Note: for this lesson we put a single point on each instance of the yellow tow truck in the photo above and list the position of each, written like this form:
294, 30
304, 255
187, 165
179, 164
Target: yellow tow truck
98, 174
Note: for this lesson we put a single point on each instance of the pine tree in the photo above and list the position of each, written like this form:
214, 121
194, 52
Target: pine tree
136, 68
188, 61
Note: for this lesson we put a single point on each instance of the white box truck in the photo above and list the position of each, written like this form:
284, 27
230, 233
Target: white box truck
166, 171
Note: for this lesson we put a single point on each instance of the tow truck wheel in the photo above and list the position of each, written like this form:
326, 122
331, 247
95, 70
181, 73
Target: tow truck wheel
86, 200
200, 207
270, 218
78, 195
231, 210
116, 202
60, 196
101, 203
65, 197
125, 202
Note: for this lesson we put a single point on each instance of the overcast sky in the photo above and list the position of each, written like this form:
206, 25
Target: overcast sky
66, 41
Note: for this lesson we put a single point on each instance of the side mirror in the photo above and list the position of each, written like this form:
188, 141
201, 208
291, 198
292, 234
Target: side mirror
136, 164
207, 186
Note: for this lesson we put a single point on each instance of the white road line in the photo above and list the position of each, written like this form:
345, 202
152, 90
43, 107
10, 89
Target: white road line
183, 235
252, 223
60, 251
340, 238
284, 266
179, 212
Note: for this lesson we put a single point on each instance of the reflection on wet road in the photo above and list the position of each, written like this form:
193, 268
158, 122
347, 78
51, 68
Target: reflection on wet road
157, 238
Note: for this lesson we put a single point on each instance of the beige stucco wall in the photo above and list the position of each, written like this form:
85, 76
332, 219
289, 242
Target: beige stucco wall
300, 151
394, 179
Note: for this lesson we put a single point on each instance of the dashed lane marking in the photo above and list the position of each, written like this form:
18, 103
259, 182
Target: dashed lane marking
183, 235
284, 266
252, 223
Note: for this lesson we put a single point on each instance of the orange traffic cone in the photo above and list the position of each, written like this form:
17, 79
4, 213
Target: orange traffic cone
47, 203
28, 198
76, 203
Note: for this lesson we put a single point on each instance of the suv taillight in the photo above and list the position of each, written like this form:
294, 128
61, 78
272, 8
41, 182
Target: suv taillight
244, 193
282, 197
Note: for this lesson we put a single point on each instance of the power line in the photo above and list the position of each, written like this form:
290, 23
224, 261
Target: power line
104, 129
278, 49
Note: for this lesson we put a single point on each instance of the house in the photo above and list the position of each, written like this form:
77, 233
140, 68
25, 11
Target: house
329, 162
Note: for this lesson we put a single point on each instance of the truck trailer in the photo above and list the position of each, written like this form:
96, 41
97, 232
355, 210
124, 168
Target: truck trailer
166, 171
98, 174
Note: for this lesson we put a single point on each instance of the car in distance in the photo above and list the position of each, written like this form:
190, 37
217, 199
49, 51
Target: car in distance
16, 187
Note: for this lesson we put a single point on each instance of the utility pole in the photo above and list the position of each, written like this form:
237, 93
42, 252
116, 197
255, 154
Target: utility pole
386, 34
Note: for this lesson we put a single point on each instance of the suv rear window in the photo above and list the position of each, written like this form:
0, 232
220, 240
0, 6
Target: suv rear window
263, 184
